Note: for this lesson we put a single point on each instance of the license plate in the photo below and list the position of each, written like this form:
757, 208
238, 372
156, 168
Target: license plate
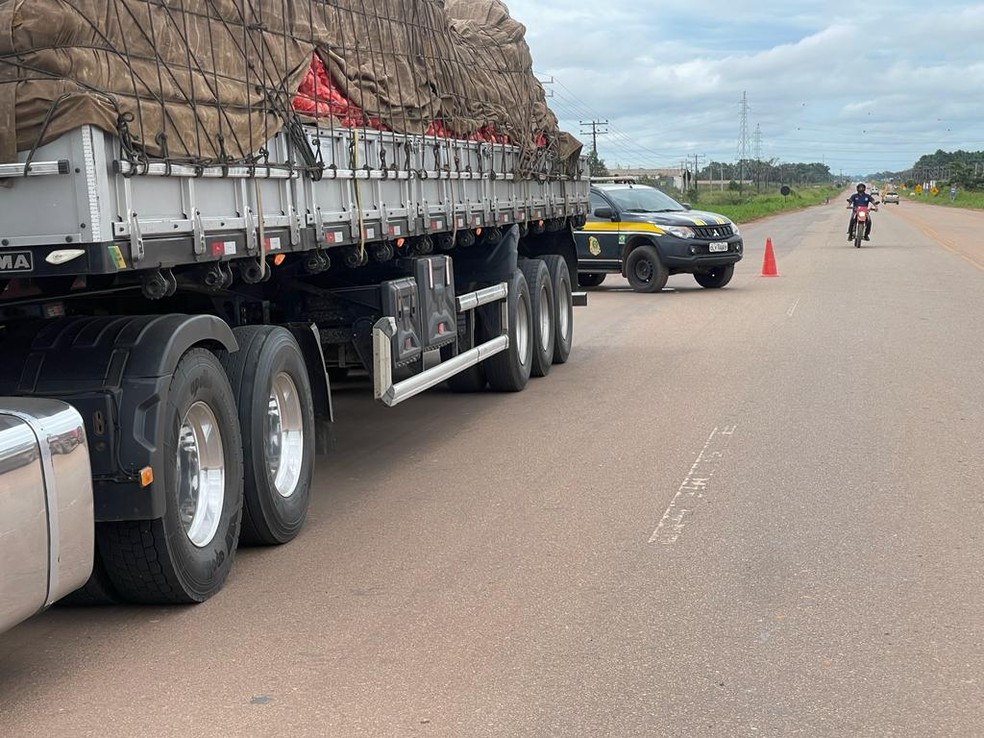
718, 246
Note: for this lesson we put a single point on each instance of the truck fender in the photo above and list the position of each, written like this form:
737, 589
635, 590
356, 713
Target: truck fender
117, 372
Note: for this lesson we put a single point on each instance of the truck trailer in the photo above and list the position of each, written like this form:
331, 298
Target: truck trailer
210, 211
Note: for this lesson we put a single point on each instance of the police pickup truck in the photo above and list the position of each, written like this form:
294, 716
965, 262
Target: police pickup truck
645, 235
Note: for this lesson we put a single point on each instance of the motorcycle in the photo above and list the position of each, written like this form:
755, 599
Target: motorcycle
861, 217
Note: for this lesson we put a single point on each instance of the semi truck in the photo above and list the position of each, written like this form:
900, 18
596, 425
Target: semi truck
206, 217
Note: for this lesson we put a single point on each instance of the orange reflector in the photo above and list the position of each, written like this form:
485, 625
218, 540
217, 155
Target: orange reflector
478, 231
279, 259
146, 476
400, 242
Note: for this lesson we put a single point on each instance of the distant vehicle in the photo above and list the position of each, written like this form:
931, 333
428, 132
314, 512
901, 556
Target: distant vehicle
646, 235
891, 196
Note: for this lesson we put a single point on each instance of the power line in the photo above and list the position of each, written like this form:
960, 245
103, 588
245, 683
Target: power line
622, 142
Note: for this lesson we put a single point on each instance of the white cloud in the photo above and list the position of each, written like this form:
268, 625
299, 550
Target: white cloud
862, 89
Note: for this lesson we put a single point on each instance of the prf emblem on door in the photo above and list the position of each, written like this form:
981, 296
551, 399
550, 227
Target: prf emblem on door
594, 246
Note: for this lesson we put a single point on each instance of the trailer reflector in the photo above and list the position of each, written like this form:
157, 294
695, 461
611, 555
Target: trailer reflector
146, 476
63, 256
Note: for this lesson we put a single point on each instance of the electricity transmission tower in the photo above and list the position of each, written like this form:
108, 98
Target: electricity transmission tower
758, 156
742, 140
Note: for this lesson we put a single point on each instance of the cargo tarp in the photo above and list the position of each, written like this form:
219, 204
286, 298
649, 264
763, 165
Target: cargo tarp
212, 81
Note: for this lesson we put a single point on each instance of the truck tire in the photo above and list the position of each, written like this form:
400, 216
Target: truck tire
560, 277
715, 277
276, 419
644, 270
591, 279
186, 555
544, 314
98, 590
509, 370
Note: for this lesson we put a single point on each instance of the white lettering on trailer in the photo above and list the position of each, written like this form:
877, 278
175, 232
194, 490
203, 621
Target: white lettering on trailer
20, 261
695, 487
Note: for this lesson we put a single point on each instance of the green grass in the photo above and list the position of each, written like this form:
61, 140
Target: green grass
755, 206
965, 199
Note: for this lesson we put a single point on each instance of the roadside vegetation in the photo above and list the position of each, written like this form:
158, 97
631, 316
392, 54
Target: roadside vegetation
973, 199
748, 206
761, 196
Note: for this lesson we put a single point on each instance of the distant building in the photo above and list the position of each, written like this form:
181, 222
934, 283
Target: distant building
668, 177
671, 178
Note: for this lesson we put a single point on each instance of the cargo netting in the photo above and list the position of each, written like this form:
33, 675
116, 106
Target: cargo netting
211, 82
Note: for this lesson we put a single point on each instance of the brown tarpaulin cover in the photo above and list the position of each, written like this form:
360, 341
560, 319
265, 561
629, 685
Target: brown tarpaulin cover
214, 80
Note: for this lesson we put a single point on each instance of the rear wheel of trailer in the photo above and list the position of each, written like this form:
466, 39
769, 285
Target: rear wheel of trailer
276, 418
543, 315
509, 370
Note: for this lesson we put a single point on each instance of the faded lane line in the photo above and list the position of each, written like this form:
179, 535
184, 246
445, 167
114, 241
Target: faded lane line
793, 308
695, 487
935, 237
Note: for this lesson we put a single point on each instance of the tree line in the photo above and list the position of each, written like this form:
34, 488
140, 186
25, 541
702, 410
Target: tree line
965, 169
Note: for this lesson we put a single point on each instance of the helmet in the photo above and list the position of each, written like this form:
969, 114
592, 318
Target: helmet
861, 186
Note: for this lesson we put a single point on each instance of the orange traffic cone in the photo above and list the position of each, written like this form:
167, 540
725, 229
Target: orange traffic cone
769, 262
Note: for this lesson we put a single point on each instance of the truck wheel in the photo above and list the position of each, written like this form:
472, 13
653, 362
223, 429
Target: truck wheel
276, 418
591, 279
645, 270
543, 310
98, 590
509, 370
560, 276
716, 277
186, 555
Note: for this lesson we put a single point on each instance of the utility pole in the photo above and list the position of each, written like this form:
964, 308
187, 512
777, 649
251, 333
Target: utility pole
697, 169
594, 124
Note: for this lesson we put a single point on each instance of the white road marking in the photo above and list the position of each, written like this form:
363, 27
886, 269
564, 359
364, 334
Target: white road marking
793, 309
695, 487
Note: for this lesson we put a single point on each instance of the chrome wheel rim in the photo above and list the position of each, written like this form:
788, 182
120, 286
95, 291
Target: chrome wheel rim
546, 340
201, 474
283, 442
565, 306
522, 330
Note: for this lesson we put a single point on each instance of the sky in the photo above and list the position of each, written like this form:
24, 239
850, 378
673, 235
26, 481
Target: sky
862, 88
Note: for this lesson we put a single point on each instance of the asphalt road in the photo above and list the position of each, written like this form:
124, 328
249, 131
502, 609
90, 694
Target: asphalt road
754, 511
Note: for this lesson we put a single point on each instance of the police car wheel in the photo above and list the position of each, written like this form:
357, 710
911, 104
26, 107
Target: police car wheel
645, 270
592, 279
715, 277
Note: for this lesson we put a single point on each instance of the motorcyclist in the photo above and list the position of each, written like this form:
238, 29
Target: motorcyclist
858, 199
